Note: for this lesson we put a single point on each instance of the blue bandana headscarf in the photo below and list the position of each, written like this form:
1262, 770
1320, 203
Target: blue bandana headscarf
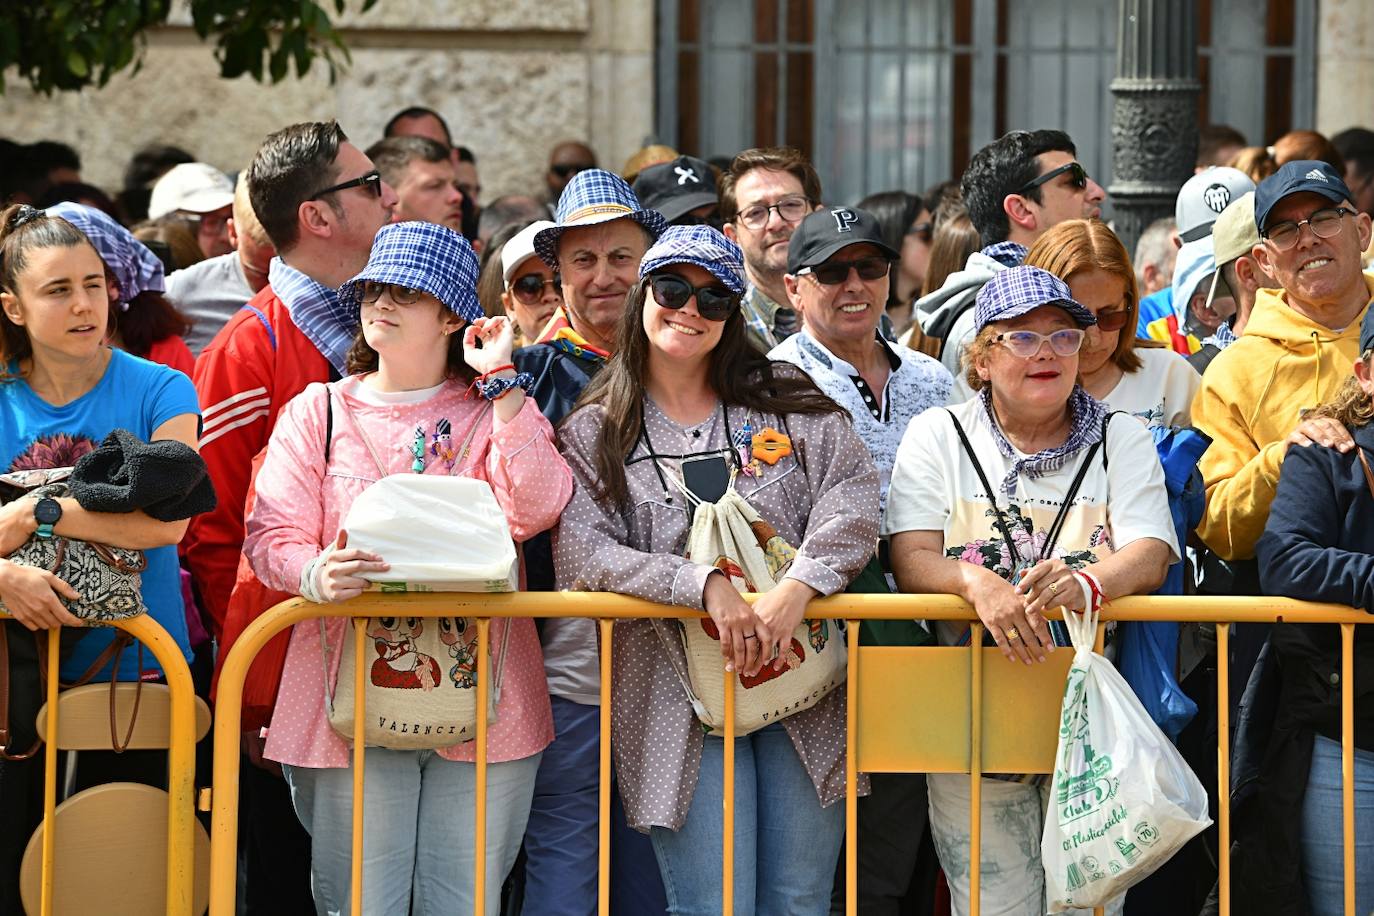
136, 269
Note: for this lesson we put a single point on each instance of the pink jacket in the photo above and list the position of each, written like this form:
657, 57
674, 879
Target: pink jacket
300, 508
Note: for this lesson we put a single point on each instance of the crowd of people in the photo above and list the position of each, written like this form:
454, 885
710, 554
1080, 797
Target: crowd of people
976, 390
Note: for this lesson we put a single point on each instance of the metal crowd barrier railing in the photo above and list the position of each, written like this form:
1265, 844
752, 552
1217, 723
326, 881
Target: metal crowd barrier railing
882, 736
180, 762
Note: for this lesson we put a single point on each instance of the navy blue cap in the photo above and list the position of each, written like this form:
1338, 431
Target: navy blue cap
1367, 332
1294, 178
1015, 291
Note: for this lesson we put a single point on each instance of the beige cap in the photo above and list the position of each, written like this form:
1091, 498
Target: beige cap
1234, 232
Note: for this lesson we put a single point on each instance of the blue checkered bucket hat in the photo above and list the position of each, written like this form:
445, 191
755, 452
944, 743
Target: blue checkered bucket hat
700, 245
136, 269
1015, 291
424, 256
594, 196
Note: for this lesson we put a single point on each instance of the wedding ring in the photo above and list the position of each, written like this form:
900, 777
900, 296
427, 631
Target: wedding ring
750, 636
1054, 587
1012, 633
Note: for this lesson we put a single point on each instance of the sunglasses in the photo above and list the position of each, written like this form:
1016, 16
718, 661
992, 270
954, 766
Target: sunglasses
1113, 320
401, 295
833, 273
1078, 177
1026, 344
529, 289
371, 182
565, 169
922, 231
714, 303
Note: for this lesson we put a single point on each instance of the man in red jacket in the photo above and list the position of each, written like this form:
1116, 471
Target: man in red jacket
321, 202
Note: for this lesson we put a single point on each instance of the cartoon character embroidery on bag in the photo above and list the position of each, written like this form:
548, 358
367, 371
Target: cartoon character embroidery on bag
400, 664
734, 574
451, 633
441, 446
818, 634
793, 657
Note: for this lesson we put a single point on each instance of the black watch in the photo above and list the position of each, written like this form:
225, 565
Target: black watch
47, 511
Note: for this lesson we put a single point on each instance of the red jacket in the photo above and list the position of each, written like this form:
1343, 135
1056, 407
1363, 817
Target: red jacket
257, 363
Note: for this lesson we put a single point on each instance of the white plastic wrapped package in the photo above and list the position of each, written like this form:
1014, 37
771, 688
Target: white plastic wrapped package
438, 534
1123, 799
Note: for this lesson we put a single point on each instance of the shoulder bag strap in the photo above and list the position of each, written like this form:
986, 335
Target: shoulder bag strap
358, 427
987, 487
1368, 473
5, 694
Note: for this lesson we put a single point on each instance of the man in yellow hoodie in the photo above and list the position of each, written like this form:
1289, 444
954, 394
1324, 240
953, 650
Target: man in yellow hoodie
1297, 349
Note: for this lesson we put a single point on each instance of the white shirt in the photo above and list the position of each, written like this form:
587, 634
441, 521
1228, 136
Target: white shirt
916, 382
935, 487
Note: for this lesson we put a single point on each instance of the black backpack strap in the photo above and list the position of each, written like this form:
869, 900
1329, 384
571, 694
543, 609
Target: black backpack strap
328, 424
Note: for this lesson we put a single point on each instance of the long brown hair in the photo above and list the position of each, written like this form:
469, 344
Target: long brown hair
1350, 406
150, 317
35, 230
739, 374
1089, 244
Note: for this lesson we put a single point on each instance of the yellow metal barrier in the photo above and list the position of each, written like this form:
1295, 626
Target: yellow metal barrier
883, 736
180, 763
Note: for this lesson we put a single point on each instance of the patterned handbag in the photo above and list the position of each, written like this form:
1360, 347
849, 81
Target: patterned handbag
108, 579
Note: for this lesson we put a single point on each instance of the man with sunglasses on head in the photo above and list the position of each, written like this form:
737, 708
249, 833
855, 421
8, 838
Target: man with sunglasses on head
320, 201
838, 271
764, 196
566, 160
1015, 189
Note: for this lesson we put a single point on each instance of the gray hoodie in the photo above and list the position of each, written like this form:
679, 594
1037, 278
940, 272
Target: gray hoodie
947, 313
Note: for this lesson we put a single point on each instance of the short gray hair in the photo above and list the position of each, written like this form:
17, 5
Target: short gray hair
1156, 246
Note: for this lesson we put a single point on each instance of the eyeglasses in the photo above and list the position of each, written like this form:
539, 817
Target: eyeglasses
568, 169
1113, 320
401, 295
791, 209
1078, 177
833, 273
529, 289
1324, 224
714, 303
371, 182
1026, 344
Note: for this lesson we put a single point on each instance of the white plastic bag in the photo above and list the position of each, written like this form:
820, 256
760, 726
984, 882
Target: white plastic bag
438, 534
1123, 799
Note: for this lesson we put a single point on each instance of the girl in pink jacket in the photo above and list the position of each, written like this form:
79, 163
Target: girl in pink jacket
434, 393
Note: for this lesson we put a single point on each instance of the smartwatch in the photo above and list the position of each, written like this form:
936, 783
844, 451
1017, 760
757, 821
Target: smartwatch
47, 511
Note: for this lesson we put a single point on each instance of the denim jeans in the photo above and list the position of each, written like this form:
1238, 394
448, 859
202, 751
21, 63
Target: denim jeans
418, 836
1322, 837
786, 844
1013, 818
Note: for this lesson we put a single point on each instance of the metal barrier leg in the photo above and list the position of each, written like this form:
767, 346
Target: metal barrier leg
50, 770
603, 864
479, 858
360, 668
1348, 761
851, 774
975, 766
1224, 768
727, 871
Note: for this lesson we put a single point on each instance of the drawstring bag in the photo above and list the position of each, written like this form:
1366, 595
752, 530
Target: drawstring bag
1123, 800
730, 536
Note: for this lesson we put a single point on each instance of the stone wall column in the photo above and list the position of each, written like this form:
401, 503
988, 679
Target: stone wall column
1155, 116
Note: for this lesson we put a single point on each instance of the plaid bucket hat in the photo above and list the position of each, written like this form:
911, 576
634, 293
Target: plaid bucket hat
136, 269
424, 256
594, 196
1015, 291
703, 246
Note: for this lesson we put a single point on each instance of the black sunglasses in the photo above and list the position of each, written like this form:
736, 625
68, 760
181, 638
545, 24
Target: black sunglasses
401, 295
564, 169
530, 287
714, 303
1079, 177
371, 182
833, 273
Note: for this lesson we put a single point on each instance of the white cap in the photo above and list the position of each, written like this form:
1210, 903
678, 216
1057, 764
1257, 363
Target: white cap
520, 248
192, 186
1203, 197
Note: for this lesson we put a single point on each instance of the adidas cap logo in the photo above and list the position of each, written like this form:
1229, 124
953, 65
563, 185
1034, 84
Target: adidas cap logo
1315, 174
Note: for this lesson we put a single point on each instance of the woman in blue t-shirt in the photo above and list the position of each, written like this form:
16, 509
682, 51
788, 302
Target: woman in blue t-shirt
62, 389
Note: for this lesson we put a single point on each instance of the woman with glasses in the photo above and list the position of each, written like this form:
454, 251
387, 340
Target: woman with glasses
1152, 383
1031, 495
433, 392
532, 292
686, 386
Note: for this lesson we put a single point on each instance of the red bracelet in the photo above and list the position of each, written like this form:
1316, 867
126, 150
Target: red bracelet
1093, 591
486, 375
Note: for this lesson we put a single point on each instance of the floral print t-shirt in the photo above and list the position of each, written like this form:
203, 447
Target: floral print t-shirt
935, 487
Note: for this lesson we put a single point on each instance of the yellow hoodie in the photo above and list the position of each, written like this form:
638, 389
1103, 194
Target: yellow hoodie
1251, 399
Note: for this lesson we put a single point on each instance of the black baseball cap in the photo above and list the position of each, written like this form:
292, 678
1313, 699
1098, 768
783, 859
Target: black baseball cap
677, 187
1294, 178
828, 230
